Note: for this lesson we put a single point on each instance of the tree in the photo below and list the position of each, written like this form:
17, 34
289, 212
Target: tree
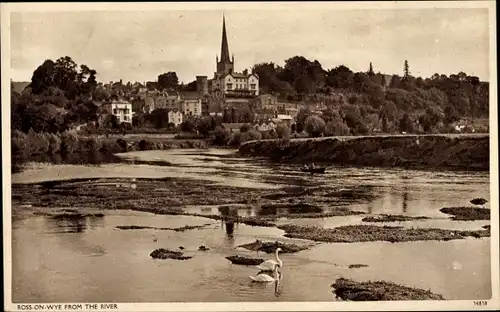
301, 118
227, 117
370, 70
205, 125
315, 125
305, 76
354, 122
269, 80
222, 136
406, 70
168, 81
336, 127
283, 131
430, 119
159, 118
352, 119
250, 136
111, 121
406, 124
395, 81
383, 81
43, 77
245, 127
386, 128
340, 77
234, 115
138, 120
390, 111
188, 126
63, 75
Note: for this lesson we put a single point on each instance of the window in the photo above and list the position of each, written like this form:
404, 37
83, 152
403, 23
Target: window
252, 86
229, 86
125, 117
114, 111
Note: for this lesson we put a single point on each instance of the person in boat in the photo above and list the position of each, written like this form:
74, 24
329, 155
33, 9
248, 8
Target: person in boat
306, 167
313, 166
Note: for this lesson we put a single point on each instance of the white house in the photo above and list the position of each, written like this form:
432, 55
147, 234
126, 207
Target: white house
236, 84
191, 106
175, 117
265, 126
121, 109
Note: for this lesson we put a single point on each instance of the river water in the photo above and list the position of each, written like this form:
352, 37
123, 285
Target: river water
90, 260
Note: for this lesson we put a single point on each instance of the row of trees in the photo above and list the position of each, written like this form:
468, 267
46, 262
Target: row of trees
64, 93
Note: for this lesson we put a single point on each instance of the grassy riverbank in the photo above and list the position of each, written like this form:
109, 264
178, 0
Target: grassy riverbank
88, 149
424, 151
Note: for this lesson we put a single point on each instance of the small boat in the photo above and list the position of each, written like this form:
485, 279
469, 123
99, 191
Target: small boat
314, 170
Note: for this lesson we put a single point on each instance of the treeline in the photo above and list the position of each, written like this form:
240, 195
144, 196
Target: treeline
368, 101
63, 94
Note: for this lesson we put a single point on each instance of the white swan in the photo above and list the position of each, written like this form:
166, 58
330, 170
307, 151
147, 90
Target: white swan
265, 278
270, 264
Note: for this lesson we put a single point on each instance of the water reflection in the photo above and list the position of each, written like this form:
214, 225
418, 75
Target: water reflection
405, 201
229, 228
232, 212
73, 223
278, 287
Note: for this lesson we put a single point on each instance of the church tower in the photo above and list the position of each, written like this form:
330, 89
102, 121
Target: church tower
225, 65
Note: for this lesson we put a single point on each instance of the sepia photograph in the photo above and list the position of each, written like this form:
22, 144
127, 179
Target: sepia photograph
250, 156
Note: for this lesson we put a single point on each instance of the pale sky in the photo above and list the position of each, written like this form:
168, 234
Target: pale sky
140, 45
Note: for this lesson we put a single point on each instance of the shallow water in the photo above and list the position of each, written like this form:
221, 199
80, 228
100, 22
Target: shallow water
77, 260
75, 266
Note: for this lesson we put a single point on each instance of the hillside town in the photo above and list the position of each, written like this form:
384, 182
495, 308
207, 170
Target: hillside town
226, 92
301, 98
237, 155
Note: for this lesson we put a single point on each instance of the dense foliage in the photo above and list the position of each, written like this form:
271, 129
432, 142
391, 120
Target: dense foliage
63, 94
373, 102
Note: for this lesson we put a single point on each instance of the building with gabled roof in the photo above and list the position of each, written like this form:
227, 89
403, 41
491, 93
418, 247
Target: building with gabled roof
227, 82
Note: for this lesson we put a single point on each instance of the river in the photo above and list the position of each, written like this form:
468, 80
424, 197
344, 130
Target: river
90, 260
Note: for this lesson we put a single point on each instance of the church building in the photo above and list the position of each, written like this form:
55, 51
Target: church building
228, 83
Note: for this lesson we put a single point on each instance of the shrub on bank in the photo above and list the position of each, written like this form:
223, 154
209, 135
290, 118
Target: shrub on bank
54, 144
235, 140
221, 136
283, 131
269, 135
69, 142
250, 136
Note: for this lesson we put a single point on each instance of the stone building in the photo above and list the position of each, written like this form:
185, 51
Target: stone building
228, 83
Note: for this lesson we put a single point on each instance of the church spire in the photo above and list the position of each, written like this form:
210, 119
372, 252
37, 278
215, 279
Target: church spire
224, 49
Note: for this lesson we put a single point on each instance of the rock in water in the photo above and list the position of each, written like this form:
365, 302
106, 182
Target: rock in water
478, 201
168, 254
244, 260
